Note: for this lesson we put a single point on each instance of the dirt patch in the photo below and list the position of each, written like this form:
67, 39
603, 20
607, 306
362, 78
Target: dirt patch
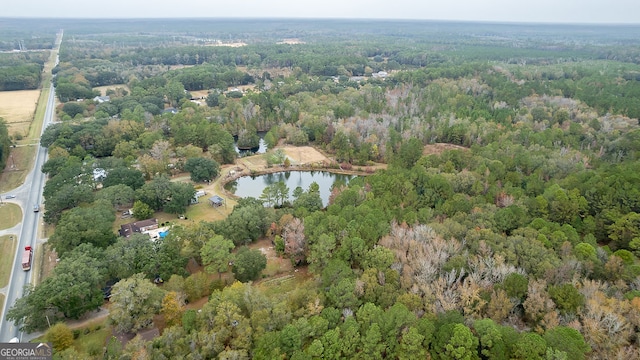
277, 266
17, 108
439, 148
103, 89
49, 261
199, 94
304, 155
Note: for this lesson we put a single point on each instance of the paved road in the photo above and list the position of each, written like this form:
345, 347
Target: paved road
27, 195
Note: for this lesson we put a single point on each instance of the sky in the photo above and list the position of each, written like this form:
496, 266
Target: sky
533, 11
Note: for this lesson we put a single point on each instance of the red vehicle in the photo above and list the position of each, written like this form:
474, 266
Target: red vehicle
26, 258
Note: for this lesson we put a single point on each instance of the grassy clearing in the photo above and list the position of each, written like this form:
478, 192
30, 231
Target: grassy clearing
7, 249
92, 338
10, 215
1, 300
103, 89
18, 166
282, 285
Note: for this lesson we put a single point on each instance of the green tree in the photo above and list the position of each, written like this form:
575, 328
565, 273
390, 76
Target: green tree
73, 289
530, 346
568, 340
409, 153
181, 195
118, 195
515, 285
134, 302
92, 224
60, 336
216, 255
462, 344
248, 264
141, 211
372, 345
567, 298
202, 169
131, 177
168, 259
128, 256
411, 346
246, 223
492, 345
155, 193
624, 231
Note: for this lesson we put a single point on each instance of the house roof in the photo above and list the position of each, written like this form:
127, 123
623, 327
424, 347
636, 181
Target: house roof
127, 229
216, 199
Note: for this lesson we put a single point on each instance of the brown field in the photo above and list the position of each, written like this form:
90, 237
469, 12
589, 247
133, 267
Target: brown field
199, 94
303, 155
439, 148
103, 89
17, 109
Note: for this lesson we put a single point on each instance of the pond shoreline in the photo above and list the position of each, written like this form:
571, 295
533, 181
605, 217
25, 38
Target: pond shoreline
232, 176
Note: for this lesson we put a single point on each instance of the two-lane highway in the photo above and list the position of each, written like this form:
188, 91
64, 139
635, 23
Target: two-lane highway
27, 195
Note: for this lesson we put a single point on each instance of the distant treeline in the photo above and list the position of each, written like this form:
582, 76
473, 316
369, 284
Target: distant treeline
5, 143
21, 71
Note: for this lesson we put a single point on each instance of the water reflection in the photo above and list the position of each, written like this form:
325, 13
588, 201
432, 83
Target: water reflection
252, 186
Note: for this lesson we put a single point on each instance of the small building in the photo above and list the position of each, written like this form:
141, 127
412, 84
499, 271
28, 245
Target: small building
216, 201
197, 195
380, 74
99, 174
142, 227
101, 99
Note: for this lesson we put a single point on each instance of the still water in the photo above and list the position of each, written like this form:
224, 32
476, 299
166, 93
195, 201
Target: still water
252, 186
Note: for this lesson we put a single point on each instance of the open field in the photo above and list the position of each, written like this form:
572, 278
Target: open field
17, 109
18, 166
10, 215
199, 93
439, 148
103, 89
7, 248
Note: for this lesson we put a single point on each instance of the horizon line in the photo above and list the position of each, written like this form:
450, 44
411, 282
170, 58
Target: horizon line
497, 22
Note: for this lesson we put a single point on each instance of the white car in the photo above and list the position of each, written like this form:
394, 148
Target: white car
9, 197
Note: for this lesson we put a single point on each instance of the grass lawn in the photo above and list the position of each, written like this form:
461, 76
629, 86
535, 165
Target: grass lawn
93, 338
1, 300
18, 166
8, 250
90, 339
10, 215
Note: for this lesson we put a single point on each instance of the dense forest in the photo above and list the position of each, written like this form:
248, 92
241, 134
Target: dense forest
522, 241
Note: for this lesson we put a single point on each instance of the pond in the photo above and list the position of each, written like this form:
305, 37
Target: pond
252, 186
261, 149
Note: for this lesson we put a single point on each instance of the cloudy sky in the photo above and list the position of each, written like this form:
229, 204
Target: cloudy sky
554, 11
